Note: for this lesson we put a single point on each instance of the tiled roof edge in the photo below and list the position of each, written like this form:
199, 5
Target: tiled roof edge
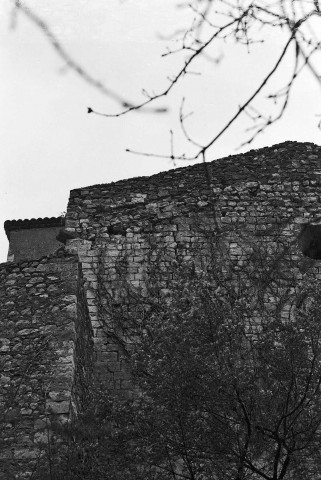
10, 225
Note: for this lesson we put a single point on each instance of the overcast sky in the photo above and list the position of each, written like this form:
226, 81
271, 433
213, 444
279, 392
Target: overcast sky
50, 145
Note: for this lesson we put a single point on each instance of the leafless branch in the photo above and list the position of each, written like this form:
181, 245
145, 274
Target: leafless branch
20, 6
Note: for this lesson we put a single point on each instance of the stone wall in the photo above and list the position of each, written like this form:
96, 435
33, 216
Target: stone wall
264, 196
60, 311
45, 355
83, 351
265, 186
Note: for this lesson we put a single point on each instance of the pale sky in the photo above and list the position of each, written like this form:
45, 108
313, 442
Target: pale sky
50, 144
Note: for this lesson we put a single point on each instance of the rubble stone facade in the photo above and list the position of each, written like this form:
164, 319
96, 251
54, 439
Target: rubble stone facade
53, 324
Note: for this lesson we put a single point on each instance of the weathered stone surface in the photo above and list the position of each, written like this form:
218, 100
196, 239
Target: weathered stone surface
40, 372
54, 316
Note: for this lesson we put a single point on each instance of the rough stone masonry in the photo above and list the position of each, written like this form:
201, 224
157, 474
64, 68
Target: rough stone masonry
52, 335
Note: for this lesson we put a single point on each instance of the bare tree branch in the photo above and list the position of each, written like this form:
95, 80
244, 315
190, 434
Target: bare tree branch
65, 56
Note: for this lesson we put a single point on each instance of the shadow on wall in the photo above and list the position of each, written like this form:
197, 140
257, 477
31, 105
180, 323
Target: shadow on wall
310, 241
